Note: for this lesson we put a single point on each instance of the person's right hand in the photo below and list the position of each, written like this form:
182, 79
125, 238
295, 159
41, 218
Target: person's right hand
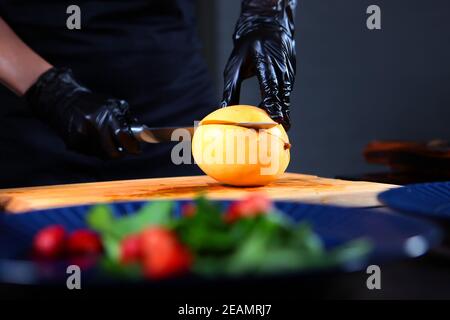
264, 46
87, 122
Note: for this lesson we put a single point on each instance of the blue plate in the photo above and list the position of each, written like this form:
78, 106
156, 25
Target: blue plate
427, 199
393, 236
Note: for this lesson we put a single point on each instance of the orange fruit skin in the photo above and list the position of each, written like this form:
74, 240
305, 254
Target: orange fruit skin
257, 157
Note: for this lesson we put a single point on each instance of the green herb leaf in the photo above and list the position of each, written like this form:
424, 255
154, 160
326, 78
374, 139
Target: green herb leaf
355, 250
305, 239
112, 267
100, 218
250, 253
155, 213
208, 212
111, 245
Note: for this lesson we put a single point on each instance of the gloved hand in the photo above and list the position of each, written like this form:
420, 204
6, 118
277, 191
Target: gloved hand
87, 122
264, 46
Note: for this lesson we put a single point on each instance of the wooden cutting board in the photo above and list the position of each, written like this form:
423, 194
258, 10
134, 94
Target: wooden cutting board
291, 186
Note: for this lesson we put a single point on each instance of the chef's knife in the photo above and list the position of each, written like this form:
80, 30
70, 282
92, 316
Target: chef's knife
164, 134
157, 135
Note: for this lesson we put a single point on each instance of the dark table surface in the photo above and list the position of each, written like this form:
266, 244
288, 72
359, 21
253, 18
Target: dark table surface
423, 278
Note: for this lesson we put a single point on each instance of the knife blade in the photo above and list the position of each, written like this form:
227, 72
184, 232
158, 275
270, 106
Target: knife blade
164, 134
158, 134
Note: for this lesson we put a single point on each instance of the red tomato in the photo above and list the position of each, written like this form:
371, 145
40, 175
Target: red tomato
130, 249
154, 238
169, 262
253, 205
84, 242
49, 242
163, 254
188, 210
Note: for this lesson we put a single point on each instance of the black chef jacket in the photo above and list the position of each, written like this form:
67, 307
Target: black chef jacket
146, 52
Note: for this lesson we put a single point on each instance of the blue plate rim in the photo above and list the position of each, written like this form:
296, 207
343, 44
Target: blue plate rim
388, 198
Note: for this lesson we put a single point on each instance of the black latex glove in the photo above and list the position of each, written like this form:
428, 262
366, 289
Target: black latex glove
87, 122
264, 46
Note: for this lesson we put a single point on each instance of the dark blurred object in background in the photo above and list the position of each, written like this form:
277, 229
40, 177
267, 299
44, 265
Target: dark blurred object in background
409, 162
431, 158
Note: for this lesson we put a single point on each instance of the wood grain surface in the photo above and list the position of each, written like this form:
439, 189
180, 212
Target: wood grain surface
291, 186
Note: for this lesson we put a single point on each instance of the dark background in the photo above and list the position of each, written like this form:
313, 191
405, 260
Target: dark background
354, 85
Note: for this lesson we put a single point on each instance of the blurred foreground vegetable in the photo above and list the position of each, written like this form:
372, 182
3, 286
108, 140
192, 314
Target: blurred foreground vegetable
54, 242
250, 236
